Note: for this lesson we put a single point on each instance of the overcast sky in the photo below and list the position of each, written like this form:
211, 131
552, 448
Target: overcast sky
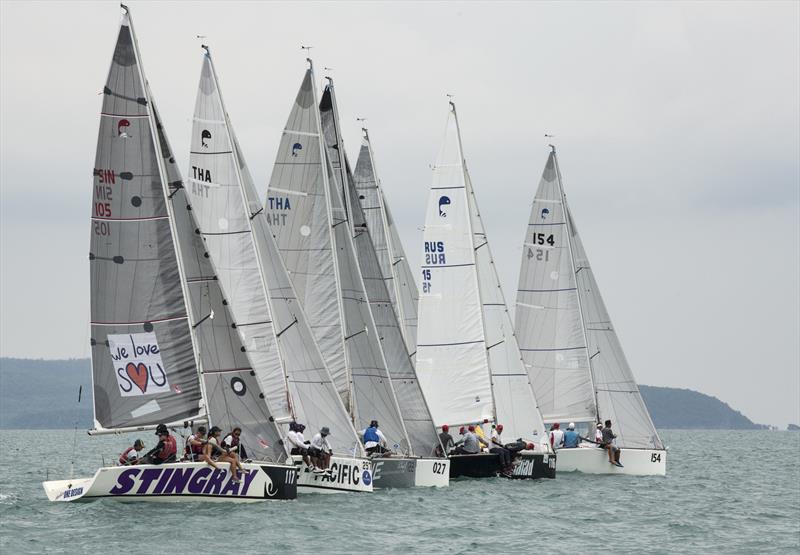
677, 125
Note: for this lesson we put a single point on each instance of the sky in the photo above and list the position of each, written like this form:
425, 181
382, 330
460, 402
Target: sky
677, 127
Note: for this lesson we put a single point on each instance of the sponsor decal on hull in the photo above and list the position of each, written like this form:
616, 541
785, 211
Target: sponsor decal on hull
189, 481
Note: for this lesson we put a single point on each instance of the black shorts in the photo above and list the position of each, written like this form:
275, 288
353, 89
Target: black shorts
299, 451
314, 452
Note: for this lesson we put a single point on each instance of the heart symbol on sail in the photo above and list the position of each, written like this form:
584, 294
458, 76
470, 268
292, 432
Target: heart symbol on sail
138, 375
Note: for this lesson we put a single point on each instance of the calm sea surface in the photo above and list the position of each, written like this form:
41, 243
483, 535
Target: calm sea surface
725, 492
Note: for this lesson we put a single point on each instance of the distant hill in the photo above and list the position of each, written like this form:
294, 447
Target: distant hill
37, 394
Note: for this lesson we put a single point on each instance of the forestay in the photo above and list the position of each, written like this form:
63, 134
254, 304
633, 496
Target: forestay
144, 370
373, 396
386, 242
515, 403
254, 278
451, 351
548, 318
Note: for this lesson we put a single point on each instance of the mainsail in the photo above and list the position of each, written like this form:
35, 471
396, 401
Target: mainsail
558, 305
144, 369
268, 318
386, 242
452, 361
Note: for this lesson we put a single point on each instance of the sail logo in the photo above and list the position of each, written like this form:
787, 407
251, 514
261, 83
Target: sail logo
545, 212
206, 134
122, 129
137, 364
186, 481
345, 474
443, 202
296, 147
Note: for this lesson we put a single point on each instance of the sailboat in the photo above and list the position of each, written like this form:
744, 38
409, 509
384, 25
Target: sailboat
386, 242
468, 360
571, 350
308, 207
150, 284
268, 318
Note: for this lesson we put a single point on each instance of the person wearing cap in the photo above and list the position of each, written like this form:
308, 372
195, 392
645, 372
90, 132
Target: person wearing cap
374, 440
446, 442
132, 455
193, 450
598, 434
166, 449
500, 450
556, 436
214, 453
320, 450
608, 444
571, 438
469, 444
298, 444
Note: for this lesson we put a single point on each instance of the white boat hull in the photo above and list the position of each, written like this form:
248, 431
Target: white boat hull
184, 481
593, 460
409, 472
348, 474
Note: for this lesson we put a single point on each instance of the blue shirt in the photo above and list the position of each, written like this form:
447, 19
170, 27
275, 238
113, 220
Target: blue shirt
571, 439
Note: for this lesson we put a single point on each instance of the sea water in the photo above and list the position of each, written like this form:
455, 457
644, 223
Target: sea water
725, 492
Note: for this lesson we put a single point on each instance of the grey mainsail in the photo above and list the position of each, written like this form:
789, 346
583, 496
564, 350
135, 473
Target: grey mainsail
559, 304
144, 369
373, 396
253, 277
386, 242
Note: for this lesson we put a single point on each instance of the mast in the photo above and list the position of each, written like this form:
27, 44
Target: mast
240, 181
471, 202
568, 224
170, 210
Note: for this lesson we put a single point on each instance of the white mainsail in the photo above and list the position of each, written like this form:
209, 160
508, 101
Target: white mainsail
269, 320
560, 312
144, 368
452, 363
386, 243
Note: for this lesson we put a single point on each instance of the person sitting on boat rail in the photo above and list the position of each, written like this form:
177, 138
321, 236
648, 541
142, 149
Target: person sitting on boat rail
608, 444
213, 453
469, 444
571, 438
499, 449
320, 450
194, 445
374, 440
132, 455
166, 449
556, 436
232, 442
297, 443
446, 441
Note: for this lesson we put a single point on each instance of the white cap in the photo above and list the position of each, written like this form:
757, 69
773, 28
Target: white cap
571, 426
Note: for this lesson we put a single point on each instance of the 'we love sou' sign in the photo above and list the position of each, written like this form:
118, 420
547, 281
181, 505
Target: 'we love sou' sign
137, 364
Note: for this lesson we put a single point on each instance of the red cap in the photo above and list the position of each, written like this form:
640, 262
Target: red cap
471, 428
499, 427
485, 420
445, 427
461, 430
530, 446
556, 426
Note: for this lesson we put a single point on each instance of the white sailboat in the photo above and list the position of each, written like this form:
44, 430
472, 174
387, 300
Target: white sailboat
574, 358
387, 245
467, 356
270, 322
307, 209
149, 283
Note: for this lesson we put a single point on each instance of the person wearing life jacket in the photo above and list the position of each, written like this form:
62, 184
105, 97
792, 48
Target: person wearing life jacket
232, 442
374, 440
571, 438
166, 449
193, 451
556, 436
132, 455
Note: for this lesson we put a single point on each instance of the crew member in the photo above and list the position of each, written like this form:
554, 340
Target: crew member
213, 453
232, 441
194, 445
499, 449
608, 444
571, 437
165, 450
556, 436
132, 455
469, 444
298, 444
320, 450
446, 441
374, 440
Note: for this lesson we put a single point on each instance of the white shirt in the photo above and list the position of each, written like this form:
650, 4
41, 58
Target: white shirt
496, 440
370, 444
598, 435
229, 442
133, 454
557, 438
320, 443
296, 439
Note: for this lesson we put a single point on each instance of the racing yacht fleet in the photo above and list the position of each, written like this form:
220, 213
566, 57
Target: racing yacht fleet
210, 306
